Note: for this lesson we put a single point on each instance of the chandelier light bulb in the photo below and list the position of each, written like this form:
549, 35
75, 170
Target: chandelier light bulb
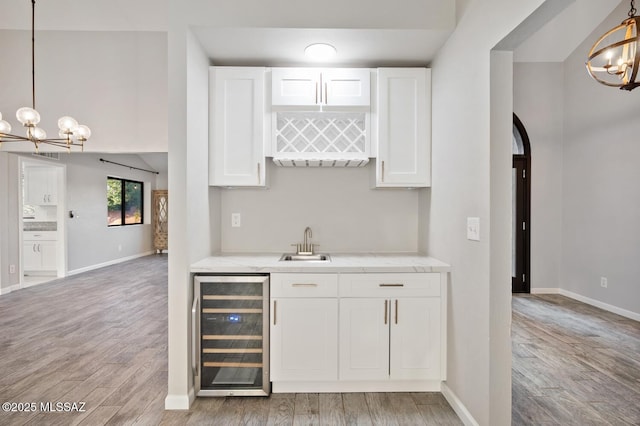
39, 134
82, 132
5, 127
28, 116
66, 124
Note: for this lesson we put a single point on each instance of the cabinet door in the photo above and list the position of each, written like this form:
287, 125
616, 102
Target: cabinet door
41, 185
304, 339
346, 87
295, 86
404, 127
236, 146
415, 339
31, 257
364, 339
49, 255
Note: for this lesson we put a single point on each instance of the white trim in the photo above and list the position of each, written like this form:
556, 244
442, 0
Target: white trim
616, 310
9, 289
589, 301
458, 406
179, 402
109, 263
356, 386
545, 290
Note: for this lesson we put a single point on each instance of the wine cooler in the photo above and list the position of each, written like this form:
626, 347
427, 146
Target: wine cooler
230, 323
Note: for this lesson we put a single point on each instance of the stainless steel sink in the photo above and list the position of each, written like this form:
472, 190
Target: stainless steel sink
305, 258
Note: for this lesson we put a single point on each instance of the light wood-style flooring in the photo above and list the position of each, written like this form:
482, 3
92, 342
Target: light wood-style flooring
573, 364
101, 338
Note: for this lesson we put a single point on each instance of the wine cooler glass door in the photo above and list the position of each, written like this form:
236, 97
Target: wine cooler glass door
233, 343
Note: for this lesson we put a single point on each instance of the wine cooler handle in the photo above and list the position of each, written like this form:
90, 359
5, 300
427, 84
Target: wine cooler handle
195, 336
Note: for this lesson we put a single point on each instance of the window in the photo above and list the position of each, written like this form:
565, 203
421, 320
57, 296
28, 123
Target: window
124, 202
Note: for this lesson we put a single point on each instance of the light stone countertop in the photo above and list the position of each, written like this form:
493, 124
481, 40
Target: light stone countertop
348, 263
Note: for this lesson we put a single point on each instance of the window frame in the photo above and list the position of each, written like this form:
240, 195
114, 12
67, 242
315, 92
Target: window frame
123, 185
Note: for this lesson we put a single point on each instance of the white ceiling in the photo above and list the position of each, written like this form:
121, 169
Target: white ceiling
382, 35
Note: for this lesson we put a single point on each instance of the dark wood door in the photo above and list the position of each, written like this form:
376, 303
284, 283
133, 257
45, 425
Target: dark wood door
520, 243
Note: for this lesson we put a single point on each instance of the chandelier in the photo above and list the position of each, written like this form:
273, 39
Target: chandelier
70, 132
616, 54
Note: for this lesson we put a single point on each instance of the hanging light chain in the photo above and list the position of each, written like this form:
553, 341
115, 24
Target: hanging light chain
632, 11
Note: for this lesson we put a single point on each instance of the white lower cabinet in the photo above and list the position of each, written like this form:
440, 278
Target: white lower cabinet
358, 332
364, 339
304, 327
415, 341
397, 337
304, 339
39, 251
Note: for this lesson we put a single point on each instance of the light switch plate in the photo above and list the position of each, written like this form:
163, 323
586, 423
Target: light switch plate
235, 220
473, 228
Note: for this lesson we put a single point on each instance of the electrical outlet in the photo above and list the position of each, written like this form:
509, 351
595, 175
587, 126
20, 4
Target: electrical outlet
12, 269
604, 283
235, 220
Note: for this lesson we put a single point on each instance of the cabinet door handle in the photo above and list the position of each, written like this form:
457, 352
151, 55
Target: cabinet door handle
382, 174
326, 94
386, 309
33, 248
274, 312
304, 285
391, 285
259, 177
396, 311
316, 92
195, 336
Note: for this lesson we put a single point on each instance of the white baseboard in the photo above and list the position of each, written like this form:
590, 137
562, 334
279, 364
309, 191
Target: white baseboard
179, 402
458, 406
545, 291
109, 263
598, 304
9, 289
589, 301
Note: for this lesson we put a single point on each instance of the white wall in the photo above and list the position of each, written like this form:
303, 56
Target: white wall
601, 205
89, 240
467, 114
538, 101
121, 75
344, 214
193, 205
9, 216
584, 204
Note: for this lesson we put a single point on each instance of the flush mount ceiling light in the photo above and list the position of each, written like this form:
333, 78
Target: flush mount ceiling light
320, 51
613, 59
70, 132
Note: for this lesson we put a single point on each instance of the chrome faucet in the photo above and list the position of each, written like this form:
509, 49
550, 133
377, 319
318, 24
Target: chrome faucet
307, 246
307, 238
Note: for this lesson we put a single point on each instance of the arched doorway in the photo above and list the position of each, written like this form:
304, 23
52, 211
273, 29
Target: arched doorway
521, 189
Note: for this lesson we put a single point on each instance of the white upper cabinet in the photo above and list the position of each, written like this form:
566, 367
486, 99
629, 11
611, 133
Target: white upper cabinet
404, 127
312, 88
236, 126
41, 185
